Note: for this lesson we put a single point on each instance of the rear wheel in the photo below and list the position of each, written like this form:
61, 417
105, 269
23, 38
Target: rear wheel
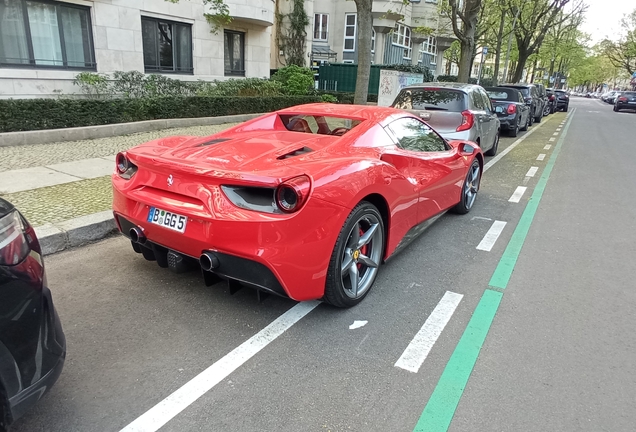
495, 145
538, 118
515, 130
566, 108
616, 109
470, 189
527, 124
356, 257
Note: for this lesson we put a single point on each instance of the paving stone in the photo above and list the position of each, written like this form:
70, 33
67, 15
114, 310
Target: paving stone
29, 178
27, 156
86, 168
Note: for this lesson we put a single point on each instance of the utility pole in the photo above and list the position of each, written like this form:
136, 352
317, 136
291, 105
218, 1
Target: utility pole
514, 23
484, 51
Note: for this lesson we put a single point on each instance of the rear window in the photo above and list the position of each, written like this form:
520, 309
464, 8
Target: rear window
431, 99
317, 124
502, 94
524, 91
560, 92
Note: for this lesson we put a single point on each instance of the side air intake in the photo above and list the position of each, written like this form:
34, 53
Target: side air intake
297, 152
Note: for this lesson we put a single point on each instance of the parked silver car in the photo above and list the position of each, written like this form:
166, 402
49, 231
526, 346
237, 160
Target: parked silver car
456, 111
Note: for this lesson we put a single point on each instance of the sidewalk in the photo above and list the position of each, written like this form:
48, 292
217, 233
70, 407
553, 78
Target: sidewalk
64, 189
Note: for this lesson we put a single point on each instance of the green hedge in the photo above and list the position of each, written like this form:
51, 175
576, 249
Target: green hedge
37, 114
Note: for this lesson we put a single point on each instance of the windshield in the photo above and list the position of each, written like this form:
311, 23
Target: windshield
431, 99
317, 124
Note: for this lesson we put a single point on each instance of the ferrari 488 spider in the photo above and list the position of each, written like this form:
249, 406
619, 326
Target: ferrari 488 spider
305, 202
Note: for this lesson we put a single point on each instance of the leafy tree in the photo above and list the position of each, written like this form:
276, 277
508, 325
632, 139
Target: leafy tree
622, 53
219, 17
464, 18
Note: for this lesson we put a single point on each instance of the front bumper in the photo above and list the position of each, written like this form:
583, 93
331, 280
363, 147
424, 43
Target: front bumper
287, 255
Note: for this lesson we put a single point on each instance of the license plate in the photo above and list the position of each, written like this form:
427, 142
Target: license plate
167, 219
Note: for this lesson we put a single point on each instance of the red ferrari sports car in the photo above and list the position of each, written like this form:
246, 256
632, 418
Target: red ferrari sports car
305, 202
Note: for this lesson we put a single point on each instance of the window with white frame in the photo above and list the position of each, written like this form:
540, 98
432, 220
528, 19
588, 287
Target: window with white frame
402, 38
430, 45
350, 32
321, 23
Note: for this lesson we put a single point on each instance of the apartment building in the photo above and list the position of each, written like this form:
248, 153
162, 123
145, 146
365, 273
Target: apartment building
45, 43
332, 33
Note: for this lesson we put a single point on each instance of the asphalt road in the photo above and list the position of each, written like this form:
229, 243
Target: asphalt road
559, 355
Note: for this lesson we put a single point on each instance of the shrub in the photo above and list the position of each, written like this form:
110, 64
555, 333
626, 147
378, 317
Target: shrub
94, 85
328, 98
295, 80
37, 114
241, 87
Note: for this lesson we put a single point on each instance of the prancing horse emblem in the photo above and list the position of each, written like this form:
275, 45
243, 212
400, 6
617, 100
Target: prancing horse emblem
170, 180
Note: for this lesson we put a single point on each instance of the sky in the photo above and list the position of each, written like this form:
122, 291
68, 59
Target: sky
603, 17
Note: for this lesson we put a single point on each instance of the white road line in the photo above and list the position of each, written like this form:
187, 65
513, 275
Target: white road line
541, 156
556, 133
508, 149
552, 139
558, 129
491, 236
164, 411
516, 197
415, 354
547, 147
532, 171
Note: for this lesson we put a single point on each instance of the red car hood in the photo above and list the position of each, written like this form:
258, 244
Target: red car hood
239, 152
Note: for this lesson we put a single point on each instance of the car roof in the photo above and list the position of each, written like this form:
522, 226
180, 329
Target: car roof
443, 85
518, 85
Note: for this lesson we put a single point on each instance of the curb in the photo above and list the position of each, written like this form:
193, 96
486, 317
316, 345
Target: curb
8, 139
75, 232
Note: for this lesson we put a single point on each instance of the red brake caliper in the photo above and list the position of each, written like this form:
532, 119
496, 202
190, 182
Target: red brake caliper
363, 249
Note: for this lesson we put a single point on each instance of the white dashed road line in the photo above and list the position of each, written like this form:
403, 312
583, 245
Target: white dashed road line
547, 147
164, 411
541, 157
556, 133
552, 139
491, 236
516, 197
532, 171
417, 351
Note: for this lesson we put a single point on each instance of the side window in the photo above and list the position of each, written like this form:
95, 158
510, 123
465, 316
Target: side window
520, 97
486, 99
414, 135
478, 102
403, 100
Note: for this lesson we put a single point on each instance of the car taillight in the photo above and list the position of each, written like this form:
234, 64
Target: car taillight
468, 120
17, 239
512, 108
292, 194
125, 168
552, 97
622, 99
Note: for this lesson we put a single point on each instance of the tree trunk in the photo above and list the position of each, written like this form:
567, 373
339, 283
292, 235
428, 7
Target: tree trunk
365, 26
521, 65
449, 64
495, 77
466, 60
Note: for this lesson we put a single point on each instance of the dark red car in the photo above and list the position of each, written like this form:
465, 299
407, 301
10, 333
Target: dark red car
306, 202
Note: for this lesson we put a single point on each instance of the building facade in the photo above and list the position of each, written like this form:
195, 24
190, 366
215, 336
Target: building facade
414, 33
45, 43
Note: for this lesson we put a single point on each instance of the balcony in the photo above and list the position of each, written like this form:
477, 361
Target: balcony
256, 12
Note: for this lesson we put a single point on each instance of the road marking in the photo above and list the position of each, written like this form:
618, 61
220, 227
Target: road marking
481, 218
552, 139
547, 147
440, 409
556, 133
532, 171
164, 411
508, 149
417, 351
541, 156
358, 324
558, 129
516, 197
491, 236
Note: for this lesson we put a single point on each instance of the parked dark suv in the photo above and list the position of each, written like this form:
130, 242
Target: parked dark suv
32, 344
625, 100
563, 100
533, 98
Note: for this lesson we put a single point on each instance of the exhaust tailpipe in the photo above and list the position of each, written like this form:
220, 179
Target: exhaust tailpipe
209, 261
137, 235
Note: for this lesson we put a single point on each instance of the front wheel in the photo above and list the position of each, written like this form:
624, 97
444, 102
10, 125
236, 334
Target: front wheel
547, 110
356, 257
470, 189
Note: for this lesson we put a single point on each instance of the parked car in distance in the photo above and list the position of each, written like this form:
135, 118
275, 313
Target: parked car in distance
626, 100
543, 94
550, 107
309, 178
511, 108
32, 343
533, 99
456, 111
562, 100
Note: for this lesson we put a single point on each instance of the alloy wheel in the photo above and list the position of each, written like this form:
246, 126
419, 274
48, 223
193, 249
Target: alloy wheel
471, 187
361, 256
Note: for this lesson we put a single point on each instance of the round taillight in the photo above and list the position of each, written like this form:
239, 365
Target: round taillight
292, 194
122, 163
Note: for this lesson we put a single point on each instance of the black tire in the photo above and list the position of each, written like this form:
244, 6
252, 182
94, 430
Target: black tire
336, 293
465, 203
538, 119
616, 109
530, 119
493, 150
566, 108
527, 125
515, 130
